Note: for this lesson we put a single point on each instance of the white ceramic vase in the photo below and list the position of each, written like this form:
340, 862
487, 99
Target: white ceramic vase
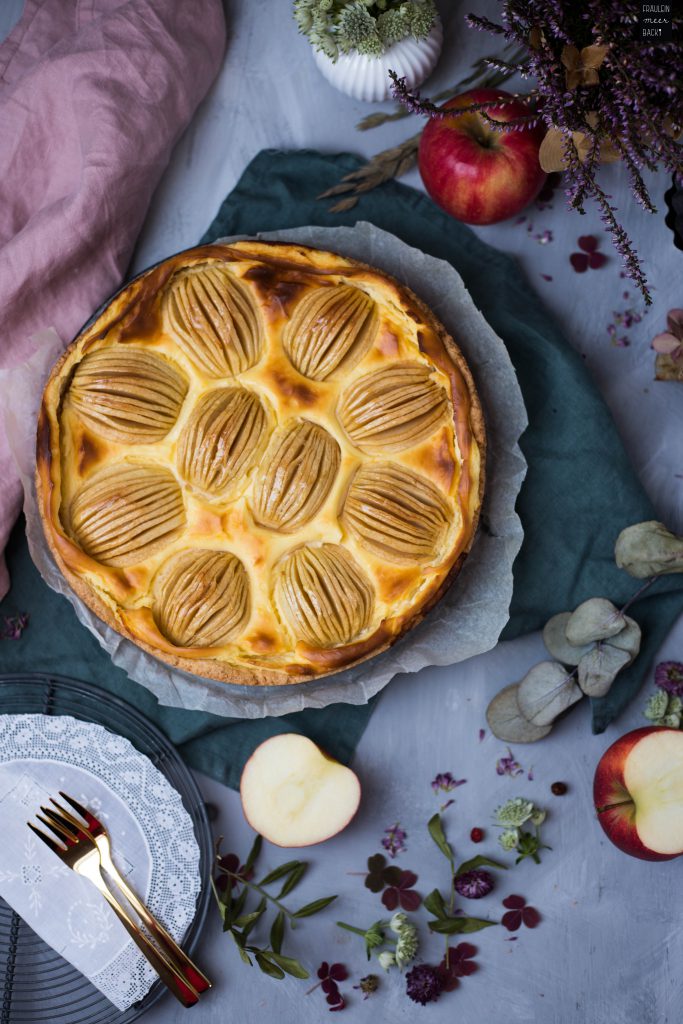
367, 78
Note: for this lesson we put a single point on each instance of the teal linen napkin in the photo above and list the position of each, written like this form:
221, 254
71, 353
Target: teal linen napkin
579, 493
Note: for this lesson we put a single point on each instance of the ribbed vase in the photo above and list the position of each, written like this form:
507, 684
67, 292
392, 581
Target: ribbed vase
367, 78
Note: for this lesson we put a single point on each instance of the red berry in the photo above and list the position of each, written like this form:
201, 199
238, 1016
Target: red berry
476, 835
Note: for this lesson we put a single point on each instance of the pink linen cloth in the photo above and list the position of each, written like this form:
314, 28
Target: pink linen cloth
93, 96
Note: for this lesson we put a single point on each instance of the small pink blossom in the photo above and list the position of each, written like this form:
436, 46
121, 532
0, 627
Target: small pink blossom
508, 765
394, 841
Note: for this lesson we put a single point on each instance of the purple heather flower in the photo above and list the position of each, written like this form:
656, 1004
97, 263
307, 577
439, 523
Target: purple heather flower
508, 765
445, 782
474, 884
669, 677
394, 841
423, 984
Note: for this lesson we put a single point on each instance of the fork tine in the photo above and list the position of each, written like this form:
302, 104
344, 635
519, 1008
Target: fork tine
78, 808
67, 817
62, 822
46, 839
56, 828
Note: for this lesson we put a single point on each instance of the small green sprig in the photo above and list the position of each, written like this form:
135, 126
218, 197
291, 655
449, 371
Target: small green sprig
446, 922
240, 922
511, 816
404, 947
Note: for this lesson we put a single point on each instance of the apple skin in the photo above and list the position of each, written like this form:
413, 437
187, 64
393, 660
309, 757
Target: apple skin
477, 174
618, 822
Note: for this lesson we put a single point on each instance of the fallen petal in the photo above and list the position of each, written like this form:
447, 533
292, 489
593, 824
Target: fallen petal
595, 619
579, 261
665, 343
508, 723
545, 692
597, 260
588, 243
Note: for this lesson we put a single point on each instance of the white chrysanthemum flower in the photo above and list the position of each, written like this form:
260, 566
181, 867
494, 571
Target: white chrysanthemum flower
509, 839
515, 812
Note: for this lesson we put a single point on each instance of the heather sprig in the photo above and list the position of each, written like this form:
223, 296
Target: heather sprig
609, 95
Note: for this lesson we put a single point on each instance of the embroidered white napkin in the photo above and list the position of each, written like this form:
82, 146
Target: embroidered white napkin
152, 838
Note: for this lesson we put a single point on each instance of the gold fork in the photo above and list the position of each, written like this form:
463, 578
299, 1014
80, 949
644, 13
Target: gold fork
80, 853
97, 832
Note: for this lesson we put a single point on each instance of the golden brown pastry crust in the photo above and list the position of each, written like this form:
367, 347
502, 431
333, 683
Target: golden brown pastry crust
274, 278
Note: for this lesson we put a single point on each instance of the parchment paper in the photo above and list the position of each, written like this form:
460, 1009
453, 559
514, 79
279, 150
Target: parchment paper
469, 618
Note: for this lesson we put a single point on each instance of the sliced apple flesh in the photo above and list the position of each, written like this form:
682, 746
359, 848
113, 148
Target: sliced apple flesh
638, 793
294, 794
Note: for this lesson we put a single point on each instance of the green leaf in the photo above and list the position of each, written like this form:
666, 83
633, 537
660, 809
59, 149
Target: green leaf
280, 872
277, 932
293, 880
439, 836
253, 854
289, 965
435, 904
479, 862
268, 967
223, 900
246, 919
238, 904
245, 956
459, 925
254, 917
315, 907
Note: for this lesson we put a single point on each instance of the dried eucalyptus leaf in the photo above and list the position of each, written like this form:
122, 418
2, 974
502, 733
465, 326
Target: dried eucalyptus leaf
508, 723
649, 549
595, 619
557, 645
629, 638
599, 668
545, 692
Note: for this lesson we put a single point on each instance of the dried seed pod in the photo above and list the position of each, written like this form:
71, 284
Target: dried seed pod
127, 394
392, 408
331, 328
124, 513
202, 598
299, 468
323, 594
396, 513
223, 438
215, 320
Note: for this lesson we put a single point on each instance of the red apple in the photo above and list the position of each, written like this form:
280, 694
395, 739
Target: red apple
474, 172
638, 793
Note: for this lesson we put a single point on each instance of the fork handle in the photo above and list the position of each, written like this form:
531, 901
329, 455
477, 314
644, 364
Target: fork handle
169, 974
168, 944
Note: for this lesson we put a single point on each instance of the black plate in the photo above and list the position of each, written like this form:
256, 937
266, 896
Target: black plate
39, 986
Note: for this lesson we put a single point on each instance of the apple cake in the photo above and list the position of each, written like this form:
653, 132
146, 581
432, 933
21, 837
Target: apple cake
262, 463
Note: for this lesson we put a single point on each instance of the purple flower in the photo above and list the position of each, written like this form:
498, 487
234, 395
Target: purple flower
508, 765
424, 984
669, 677
394, 841
13, 626
445, 782
474, 884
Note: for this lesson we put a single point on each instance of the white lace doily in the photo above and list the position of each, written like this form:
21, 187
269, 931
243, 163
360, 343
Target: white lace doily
153, 845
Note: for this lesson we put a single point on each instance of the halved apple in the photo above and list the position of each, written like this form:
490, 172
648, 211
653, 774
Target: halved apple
294, 794
638, 793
